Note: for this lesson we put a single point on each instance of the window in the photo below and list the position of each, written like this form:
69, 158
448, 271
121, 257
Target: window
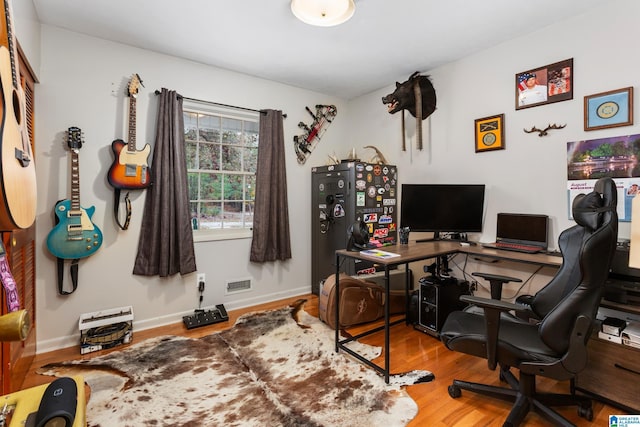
222, 154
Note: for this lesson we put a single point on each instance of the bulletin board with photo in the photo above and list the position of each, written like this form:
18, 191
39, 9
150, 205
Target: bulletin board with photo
615, 157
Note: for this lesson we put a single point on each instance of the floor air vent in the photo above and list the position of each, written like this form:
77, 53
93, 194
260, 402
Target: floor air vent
241, 285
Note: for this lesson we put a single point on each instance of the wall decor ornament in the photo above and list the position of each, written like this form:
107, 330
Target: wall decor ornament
544, 85
545, 131
306, 142
489, 133
609, 109
418, 96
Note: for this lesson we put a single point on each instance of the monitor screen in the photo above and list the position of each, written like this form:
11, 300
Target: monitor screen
529, 229
442, 207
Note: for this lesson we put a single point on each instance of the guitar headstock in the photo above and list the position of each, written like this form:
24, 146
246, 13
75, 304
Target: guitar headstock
134, 84
74, 138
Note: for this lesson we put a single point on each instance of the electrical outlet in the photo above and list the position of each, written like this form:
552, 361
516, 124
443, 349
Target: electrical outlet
201, 280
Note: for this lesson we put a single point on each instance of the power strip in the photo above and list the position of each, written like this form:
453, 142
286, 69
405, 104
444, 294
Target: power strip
206, 317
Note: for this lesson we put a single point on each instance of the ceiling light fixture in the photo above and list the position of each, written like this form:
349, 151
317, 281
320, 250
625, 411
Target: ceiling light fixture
323, 13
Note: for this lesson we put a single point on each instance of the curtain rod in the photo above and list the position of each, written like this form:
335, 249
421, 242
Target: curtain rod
221, 105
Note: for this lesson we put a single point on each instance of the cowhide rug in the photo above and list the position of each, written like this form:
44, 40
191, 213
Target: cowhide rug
273, 368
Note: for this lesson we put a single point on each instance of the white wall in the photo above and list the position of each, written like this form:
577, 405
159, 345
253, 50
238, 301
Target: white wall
82, 83
529, 175
27, 30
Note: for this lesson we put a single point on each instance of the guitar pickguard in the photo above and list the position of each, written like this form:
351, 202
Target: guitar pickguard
138, 158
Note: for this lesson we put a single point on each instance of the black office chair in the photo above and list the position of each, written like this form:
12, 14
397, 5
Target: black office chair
556, 346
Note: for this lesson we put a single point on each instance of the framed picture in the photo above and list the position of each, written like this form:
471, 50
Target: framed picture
490, 133
609, 109
544, 85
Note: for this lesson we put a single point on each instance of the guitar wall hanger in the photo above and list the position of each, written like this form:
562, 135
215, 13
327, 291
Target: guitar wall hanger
545, 131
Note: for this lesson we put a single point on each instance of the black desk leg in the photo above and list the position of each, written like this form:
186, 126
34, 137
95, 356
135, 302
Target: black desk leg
407, 296
337, 301
387, 284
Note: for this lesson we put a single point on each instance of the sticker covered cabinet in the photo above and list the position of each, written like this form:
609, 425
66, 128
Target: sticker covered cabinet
341, 195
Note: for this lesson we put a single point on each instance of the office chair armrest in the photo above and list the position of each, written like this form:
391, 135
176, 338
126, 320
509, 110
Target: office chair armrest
496, 281
492, 303
492, 309
490, 276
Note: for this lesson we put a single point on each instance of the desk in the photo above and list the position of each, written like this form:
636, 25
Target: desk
413, 252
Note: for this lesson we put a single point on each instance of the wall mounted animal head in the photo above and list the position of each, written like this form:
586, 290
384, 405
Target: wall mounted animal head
416, 95
404, 97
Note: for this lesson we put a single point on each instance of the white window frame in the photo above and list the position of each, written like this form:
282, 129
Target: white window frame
192, 106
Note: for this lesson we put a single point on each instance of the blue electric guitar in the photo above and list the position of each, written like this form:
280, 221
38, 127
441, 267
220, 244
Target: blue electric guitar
74, 235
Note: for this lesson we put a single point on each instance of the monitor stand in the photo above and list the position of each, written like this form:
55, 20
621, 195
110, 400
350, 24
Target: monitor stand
456, 237
440, 268
436, 236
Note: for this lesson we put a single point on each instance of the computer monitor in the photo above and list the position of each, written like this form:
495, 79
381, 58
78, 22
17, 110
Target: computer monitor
524, 229
442, 208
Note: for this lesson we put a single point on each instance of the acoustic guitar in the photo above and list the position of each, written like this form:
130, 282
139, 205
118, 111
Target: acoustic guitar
18, 189
130, 168
74, 235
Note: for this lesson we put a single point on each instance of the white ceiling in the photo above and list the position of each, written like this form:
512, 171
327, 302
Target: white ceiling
385, 41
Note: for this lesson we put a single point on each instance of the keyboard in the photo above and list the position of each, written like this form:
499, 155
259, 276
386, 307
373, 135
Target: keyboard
516, 247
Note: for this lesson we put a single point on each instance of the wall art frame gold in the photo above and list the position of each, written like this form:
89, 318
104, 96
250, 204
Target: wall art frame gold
489, 133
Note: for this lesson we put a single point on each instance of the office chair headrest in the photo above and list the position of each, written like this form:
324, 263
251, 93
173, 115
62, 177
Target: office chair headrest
607, 187
587, 210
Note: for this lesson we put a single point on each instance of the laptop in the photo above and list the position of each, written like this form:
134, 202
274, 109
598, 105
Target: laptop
521, 232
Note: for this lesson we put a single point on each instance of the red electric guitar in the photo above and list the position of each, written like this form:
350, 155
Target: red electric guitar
130, 169
18, 189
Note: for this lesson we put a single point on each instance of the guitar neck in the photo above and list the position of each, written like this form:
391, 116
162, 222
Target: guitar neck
75, 182
131, 146
11, 43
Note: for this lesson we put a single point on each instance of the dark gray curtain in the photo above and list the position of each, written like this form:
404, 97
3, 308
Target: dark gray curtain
271, 240
166, 240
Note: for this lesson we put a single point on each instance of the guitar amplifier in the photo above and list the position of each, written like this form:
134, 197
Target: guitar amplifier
105, 329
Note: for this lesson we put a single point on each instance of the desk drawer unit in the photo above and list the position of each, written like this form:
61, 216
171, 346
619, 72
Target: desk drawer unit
613, 373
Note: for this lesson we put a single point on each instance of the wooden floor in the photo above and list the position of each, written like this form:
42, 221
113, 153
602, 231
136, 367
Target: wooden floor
410, 349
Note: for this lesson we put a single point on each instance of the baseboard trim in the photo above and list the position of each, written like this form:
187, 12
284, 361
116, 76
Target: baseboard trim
59, 343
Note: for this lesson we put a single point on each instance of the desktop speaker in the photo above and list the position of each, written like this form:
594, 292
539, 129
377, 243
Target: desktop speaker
58, 404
